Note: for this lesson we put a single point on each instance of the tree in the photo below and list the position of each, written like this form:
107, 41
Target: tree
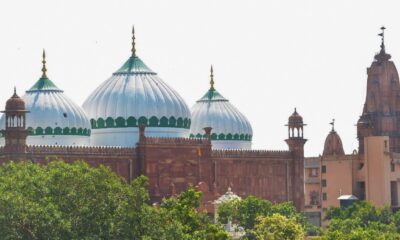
75, 201
182, 210
63, 201
277, 227
246, 211
361, 221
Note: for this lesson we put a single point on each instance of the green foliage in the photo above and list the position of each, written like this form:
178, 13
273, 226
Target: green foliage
362, 221
182, 211
277, 227
246, 213
75, 201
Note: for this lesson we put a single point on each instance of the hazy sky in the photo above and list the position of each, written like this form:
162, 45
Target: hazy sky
268, 56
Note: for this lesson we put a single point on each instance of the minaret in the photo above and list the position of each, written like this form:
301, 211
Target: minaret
295, 172
15, 131
381, 112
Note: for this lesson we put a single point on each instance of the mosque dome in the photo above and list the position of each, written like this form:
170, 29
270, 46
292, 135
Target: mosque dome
230, 128
135, 95
333, 144
53, 118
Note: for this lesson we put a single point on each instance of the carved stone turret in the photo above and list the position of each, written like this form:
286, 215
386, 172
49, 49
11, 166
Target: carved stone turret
295, 172
15, 130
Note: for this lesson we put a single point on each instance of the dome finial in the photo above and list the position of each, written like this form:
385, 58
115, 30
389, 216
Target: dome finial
382, 55
333, 124
212, 79
44, 70
382, 35
15, 91
133, 42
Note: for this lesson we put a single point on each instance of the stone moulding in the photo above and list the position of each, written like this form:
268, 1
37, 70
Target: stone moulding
250, 153
226, 137
121, 122
179, 141
80, 150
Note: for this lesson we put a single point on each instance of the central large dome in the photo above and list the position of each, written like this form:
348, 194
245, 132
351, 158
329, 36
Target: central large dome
135, 95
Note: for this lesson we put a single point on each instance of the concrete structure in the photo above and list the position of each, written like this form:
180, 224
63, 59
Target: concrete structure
372, 173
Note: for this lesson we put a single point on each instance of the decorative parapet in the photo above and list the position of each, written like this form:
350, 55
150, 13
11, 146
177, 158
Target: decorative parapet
250, 153
176, 141
81, 150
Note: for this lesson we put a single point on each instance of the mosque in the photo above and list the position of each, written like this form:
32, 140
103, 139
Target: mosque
136, 124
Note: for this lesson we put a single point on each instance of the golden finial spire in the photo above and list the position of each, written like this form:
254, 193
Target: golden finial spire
44, 70
133, 42
212, 79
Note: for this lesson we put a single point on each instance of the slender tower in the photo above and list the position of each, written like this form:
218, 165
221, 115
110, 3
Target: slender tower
295, 171
15, 130
381, 113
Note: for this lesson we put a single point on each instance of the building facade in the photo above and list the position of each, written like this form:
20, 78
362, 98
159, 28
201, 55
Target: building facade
373, 172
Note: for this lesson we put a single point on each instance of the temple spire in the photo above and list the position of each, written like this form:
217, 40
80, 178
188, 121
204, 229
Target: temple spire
44, 70
212, 79
133, 42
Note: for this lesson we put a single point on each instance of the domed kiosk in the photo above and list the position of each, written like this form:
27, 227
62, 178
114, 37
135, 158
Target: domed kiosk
230, 128
132, 96
53, 118
333, 144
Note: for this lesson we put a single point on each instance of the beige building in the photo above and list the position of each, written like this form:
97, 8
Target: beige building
373, 172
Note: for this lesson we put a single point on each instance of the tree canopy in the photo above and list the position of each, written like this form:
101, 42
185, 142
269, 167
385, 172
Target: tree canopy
277, 227
361, 221
75, 201
252, 213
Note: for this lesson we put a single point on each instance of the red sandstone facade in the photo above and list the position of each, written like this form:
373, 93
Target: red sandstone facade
172, 164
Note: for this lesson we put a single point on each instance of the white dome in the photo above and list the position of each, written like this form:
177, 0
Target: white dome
135, 95
230, 128
53, 119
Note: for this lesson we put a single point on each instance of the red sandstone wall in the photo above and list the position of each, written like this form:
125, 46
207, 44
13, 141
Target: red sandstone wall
120, 160
172, 165
262, 174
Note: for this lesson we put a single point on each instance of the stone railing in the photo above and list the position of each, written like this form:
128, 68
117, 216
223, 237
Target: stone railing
81, 150
178, 141
250, 153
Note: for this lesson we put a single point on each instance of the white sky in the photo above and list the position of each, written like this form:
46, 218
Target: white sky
268, 56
